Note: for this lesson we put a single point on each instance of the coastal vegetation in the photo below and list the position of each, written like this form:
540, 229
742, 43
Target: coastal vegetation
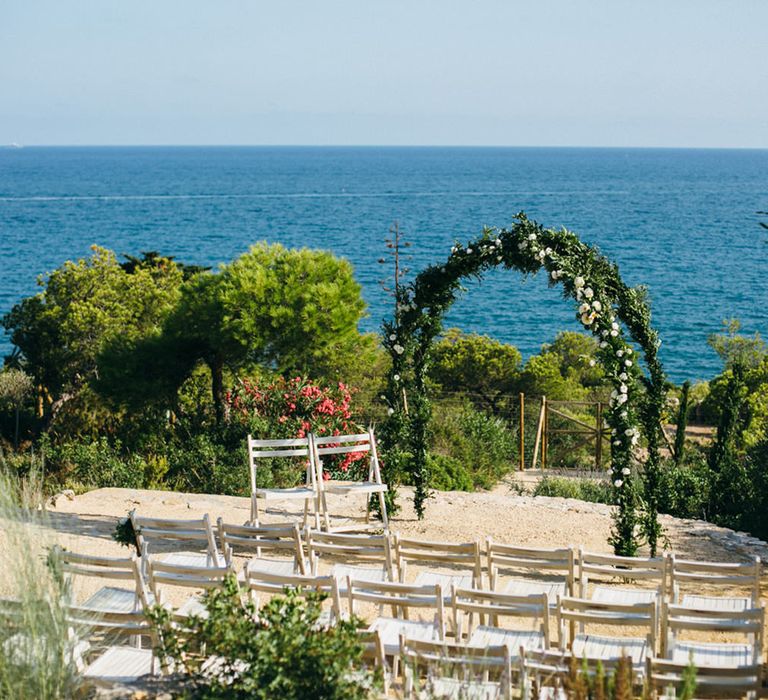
150, 373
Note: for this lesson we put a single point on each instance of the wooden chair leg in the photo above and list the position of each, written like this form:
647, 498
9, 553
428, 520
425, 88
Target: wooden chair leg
383, 506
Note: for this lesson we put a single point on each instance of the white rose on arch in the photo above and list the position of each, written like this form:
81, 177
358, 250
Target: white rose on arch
399, 349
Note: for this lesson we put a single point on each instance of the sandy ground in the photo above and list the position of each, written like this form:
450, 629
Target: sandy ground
85, 524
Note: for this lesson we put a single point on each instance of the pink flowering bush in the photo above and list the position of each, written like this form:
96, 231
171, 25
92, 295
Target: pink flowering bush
292, 408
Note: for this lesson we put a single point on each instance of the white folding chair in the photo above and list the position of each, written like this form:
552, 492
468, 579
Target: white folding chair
614, 572
100, 657
297, 448
447, 563
690, 577
274, 548
484, 611
257, 583
131, 596
326, 446
711, 681
361, 557
748, 625
403, 600
162, 538
163, 575
532, 570
633, 617
445, 670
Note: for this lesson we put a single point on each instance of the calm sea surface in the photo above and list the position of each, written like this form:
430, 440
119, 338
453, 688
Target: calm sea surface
682, 222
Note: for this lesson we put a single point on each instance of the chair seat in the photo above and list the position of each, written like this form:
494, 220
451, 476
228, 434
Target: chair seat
623, 596
716, 603
358, 573
446, 581
112, 599
552, 589
193, 606
390, 629
121, 664
486, 636
610, 648
455, 689
302, 492
200, 559
359, 487
278, 567
714, 654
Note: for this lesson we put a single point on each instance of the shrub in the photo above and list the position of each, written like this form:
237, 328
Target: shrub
281, 650
448, 474
684, 488
589, 490
94, 464
291, 408
482, 448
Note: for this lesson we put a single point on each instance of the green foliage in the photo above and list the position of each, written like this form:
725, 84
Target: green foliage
476, 365
734, 348
682, 423
542, 377
84, 305
36, 662
578, 356
94, 464
471, 449
591, 490
281, 650
594, 283
685, 486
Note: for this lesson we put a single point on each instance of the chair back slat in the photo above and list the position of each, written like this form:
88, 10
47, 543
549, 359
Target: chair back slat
746, 575
464, 555
399, 596
154, 532
257, 582
351, 548
530, 561
261, 540
711, 681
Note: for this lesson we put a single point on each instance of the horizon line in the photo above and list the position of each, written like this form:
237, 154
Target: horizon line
20, 146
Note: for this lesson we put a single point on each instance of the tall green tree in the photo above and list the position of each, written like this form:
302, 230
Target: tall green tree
84, 305
291, 311
485, 369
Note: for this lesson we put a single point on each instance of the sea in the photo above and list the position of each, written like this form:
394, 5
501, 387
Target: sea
683, 223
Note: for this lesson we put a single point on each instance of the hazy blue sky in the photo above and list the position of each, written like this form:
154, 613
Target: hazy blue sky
541, 72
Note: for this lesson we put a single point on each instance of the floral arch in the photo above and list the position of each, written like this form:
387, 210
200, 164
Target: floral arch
606, 307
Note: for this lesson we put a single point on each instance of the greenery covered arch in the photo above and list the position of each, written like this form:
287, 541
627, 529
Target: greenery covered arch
606, 306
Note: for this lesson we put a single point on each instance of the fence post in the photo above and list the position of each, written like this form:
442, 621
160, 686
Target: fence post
522, 431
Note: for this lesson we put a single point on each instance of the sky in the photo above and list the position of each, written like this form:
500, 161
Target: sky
668, 73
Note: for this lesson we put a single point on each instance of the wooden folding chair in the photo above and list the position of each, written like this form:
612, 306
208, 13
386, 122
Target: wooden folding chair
360, 443
444, 670
698, 575
373, 656
100, 658
633, 617
533, 570
614, 572
258, 582
711, 681
162, 538
748, 624
362, 557
130, 597
162, 575
402, 599
284, 449
448, 563
484, 611
275, 548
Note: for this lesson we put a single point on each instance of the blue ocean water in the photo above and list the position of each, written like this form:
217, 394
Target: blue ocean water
682, 222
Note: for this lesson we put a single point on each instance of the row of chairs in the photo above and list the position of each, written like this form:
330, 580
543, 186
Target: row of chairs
496, 566
314, 450
444, 669
479, 620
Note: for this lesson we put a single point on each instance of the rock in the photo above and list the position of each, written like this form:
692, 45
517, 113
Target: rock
69, 494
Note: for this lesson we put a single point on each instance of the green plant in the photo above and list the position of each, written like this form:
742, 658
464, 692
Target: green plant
37, 659
281, 650
95, 464
682, 422
603, 300
125, 535
590, 490
686, 486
